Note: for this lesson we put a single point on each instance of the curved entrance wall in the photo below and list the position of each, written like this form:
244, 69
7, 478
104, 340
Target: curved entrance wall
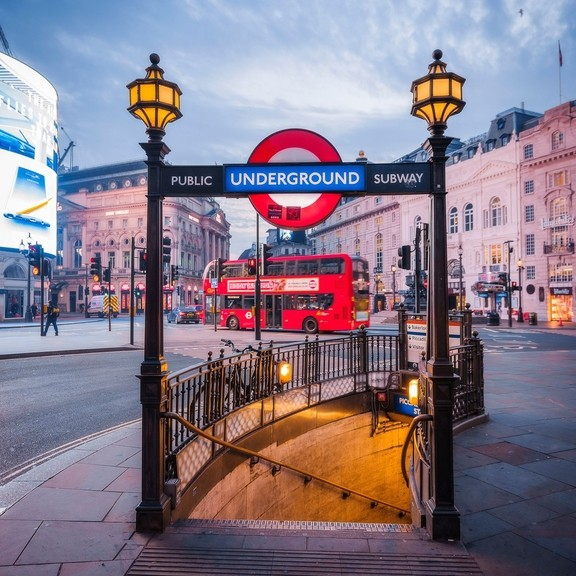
332, 440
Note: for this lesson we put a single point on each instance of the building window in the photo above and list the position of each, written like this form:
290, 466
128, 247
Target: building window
557, 140
167, 221
357, 247
529, 213
530, 272
468, 218
530, 245
495, 215
560, 272
379, 251
559, 178
111, 260
96, 224
78, 254
493, 254
453, 221
529, 187
471, 152
140, 222
504, 139
489, 145
528, 151
126, 259
110, 224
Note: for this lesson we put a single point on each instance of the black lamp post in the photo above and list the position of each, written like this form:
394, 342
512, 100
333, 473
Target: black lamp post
393, 268
460, 253
520, 311
25, 250
436, 97
156, 102
509, 250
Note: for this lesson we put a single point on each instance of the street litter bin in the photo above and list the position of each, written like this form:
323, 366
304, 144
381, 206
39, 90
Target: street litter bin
532, 319
493, 319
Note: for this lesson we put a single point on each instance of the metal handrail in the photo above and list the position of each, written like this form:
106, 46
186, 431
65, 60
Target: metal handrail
416, 420
346, 492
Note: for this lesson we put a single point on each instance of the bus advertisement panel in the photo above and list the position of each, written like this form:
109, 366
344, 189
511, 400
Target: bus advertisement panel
321, 293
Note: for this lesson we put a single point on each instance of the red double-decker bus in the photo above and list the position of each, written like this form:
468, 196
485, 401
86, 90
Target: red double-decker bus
319, 293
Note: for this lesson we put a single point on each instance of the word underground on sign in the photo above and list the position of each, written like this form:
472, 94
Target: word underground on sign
302, 178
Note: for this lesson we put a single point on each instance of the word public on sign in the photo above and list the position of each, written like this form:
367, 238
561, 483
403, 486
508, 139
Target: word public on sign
192, 181
277, 178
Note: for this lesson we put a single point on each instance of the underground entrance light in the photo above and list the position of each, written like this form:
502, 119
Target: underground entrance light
413, 392
284, 372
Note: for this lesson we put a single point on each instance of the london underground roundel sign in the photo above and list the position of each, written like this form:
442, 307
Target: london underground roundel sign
288, 210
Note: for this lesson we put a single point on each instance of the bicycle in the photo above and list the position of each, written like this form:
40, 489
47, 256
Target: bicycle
232, 347
250, 379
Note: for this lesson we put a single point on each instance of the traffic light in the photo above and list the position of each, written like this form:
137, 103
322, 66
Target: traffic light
96, 268
166, 249
514, 286
46, 268
266, 255
143, 260
175, 272
251, 266
34, 255
221, 271
106, 275
137, 292
404, 255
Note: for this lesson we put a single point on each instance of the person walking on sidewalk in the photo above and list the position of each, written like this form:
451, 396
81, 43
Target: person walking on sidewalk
51, 316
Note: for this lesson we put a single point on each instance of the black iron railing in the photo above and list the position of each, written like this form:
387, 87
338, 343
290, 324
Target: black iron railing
208, 393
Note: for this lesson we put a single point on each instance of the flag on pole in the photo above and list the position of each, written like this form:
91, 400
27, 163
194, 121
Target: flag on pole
559, 54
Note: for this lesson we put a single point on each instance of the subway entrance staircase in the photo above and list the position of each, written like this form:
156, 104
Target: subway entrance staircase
303, 548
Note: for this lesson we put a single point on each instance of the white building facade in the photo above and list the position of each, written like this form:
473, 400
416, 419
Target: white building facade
510, 210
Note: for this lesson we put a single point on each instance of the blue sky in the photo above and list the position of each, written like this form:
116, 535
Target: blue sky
248, 68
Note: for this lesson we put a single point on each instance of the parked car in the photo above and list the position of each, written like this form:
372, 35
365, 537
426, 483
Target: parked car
188, 315
199, 310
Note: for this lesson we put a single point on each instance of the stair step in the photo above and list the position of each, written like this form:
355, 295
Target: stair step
299, 548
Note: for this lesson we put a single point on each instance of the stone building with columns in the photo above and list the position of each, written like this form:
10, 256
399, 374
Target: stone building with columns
510, 211
102, 213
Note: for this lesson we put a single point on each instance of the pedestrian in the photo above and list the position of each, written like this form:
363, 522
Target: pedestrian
51, 316
34, 310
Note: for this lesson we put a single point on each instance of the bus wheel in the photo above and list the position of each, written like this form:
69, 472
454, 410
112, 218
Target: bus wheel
233, 323
310, 326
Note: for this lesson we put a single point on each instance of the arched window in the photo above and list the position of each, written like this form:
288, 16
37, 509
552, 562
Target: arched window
78, 254
453, 220
468, 218
496, 214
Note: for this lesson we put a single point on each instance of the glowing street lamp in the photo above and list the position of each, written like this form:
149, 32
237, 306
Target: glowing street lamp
436, 97
156, 102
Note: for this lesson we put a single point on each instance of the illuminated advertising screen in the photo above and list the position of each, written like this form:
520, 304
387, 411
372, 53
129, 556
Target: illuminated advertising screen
28, 157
